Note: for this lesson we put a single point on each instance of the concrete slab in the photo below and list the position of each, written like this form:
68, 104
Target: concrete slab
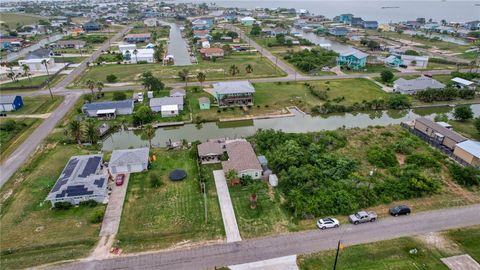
113, 213
226, 207
282, 263
461, 262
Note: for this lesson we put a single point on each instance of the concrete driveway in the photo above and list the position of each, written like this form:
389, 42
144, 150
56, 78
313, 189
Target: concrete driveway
226, 207
461, 262
113, 213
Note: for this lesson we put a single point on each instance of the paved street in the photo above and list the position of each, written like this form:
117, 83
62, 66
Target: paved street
294, 243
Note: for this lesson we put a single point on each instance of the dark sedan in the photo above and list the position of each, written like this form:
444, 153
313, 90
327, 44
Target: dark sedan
400, 210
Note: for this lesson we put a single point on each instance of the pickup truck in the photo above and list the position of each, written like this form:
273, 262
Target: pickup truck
362, 217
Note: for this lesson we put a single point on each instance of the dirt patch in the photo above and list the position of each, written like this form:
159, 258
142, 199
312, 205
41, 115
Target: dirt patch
440, 241
400, 159
39, 228
7, 195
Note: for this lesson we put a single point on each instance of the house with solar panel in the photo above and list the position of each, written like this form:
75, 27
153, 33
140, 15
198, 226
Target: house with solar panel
82, 179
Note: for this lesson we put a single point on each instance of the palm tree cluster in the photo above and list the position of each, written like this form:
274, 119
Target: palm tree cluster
92, 85
86, 130
234, 70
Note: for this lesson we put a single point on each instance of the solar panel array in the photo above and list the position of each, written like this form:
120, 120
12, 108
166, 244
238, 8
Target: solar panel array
66, 173
91, 166
75, 190
99, 182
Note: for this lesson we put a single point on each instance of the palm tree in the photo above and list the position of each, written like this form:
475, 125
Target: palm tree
45, 62
11, 76
254, 188
201, 78
183, 74
158, 52
149, 134
26, 71
234, 70
76, 130
249, 69
91, 132
99, 85
91, 84
135, 52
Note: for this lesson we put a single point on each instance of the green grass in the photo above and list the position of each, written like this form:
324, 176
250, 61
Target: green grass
468, 239
12, 19
371, 69
466, 128
9, 140
73, 59
38, 105
155, 218
217, 70
391, 254
32, 233
33, 82
162, 32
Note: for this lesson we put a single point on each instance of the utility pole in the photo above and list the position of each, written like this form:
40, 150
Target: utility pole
48, 77
336, 255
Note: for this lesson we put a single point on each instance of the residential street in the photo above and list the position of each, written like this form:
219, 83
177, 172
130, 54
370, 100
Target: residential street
294, 243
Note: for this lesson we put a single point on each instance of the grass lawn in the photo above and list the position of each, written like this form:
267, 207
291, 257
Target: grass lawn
9, 140
162, 32
155, 218
217, 70
72, 59
390, 254
468, 239
38, 105
25, 82
466, 128
32, 233
371, 69
11, 19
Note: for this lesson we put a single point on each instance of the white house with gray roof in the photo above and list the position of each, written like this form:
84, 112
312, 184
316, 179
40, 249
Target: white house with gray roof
233, 93
129, 160
415, 85
82, 179
167, 106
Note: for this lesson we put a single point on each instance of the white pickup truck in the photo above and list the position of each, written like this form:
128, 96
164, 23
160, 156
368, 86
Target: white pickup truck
362, 217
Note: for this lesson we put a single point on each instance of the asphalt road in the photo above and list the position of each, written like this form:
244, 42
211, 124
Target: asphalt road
27, 148
289, 244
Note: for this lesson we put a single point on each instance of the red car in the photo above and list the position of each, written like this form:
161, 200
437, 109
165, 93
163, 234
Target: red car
119, 179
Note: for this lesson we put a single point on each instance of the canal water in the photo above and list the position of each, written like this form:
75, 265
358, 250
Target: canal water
445, 38
320, 40
296, 124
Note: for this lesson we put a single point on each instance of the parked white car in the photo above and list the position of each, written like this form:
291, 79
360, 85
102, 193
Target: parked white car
140, 97
327, 223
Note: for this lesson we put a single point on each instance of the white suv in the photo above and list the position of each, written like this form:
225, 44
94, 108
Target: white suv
327, 223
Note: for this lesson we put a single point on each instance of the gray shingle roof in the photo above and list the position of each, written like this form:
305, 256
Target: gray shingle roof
164, 101
420, 83
7, 99
81, 176
108, 105
129, 156
208, 148
234, 87
241, 157
441, 129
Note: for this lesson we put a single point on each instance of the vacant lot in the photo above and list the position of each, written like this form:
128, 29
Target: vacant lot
11, 138
12, 19
31, 232
214, 70
172, 214
38, 104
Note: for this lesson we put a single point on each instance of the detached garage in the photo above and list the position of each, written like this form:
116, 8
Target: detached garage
129, 160
10, 103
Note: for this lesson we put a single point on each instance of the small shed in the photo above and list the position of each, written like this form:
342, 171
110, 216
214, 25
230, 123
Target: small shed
204, 103
10, 103
273, 180
463, 84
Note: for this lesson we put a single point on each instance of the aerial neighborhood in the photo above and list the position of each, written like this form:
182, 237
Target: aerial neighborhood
191, 135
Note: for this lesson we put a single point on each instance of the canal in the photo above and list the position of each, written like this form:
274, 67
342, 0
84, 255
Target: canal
297, 124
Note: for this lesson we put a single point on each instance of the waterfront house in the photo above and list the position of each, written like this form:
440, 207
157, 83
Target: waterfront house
82, 179
209, 53
356, 22
473, 25
10, 43
211, 151
440, 134
233, 93
136, 38
204, 103
370, 24
343, 18
413, 86
167, 106
415, 60
463, 84
353, 59
247, 21
91, 26
108, 108
129, 160
242, 160
393, 61
468, 151
178, 93
338, 31
10, 103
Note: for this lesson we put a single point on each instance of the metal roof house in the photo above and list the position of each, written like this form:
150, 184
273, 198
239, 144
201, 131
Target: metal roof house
233, 93
415, 60
414, 85
10, 103
129, 160
95, 109
468, 151
439, 133
353, 59
463, 84
167, 106
81, 180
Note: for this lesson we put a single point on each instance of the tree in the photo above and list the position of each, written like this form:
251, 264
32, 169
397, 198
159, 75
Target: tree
234, 70
254, 188
143, 115
227, 49
91, 85
441, 117
387, 76
256, 30
249, 69
232, 34
148, 133
76, 130
280, 39
463, 113
45, 62
411, 52
158, 52
26, 71
99, 86
111, 78
183, 75
91, 131
151, 83
231, 176
201, 77
477, 124
135, 52
119, 96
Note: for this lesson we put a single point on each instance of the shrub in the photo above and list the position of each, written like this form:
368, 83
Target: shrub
463, 113
97, 216
422, 160
111, 78
89, 203
381, 157
119, 96
155, 181
8, 125
465, 176
62, 205
387, 76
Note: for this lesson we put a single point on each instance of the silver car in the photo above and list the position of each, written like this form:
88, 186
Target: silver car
327, 223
